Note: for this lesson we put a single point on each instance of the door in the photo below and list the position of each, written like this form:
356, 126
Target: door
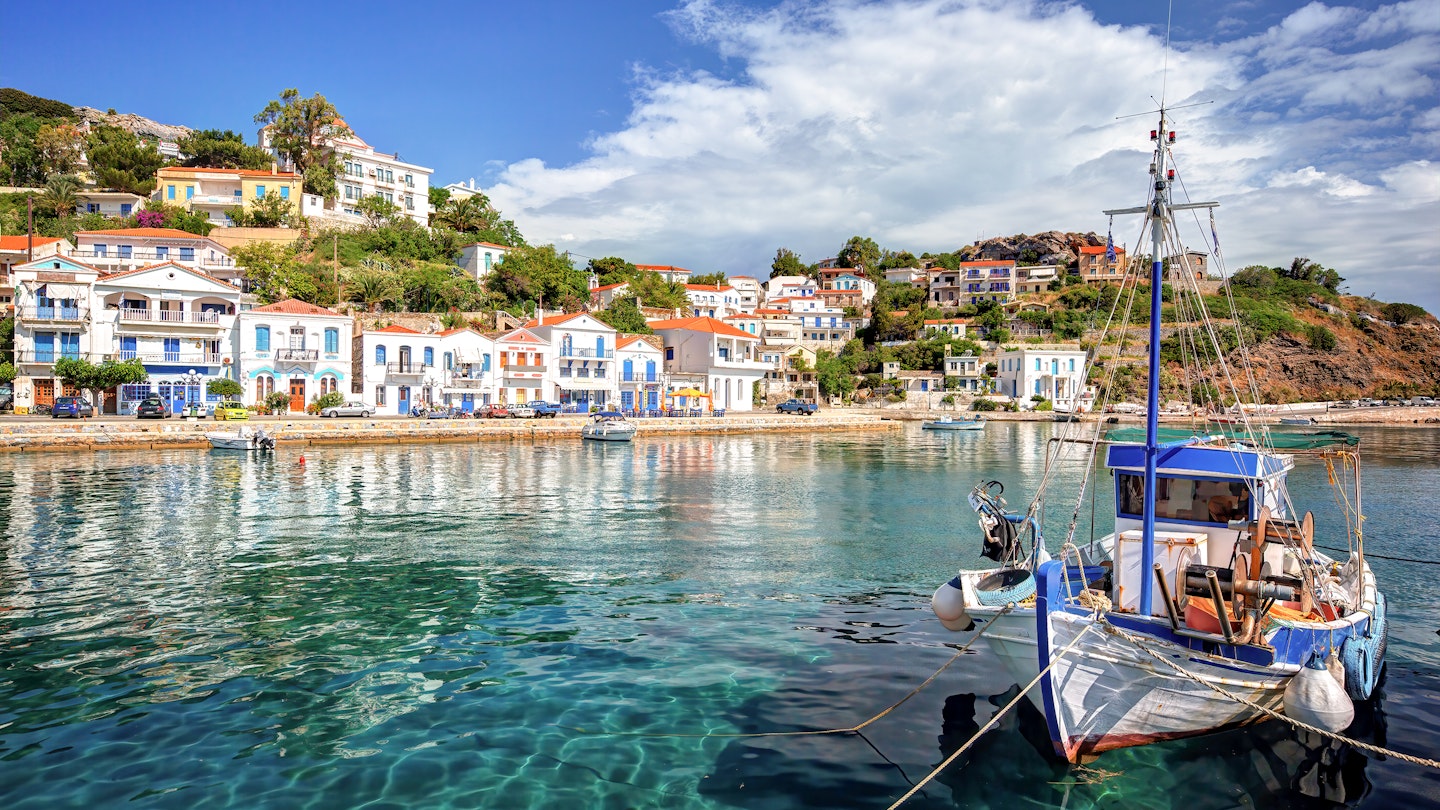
403, 400
44, 392
297, 394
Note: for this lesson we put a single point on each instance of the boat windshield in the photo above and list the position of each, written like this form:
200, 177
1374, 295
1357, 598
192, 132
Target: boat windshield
1186, 499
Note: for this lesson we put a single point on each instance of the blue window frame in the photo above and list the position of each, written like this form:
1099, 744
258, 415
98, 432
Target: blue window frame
189, 192
1037, 364
44, 347
429, 356
262, 338
332, 341
484, 363
187, 254
449, 361
162, 253
284, 192
102, 251
172, 350
259, 192
650, 371
379, 355
169, 192
127, 348
600, 346
125, 209
125, 251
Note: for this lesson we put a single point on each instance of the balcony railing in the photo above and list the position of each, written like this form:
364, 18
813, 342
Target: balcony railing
171, 316
49, 356
169, 358
571, 351
297, 354
466, 382
639, 376
67, 314
416, 369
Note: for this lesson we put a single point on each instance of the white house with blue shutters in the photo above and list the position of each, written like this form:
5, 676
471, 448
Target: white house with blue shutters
1056, 373
641, 362
468, 369
398, 369
582, 348
296, 348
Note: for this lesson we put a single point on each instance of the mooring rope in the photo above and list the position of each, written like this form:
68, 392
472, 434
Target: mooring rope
1364, 746
1007, 707
848, 730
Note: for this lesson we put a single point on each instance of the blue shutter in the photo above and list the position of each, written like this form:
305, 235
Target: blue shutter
600, 346
485, 363
379, 355
429, 356
629, 370
332, 341
262, 338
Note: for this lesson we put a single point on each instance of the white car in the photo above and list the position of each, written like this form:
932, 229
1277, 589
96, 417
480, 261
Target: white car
349, 409
522, 412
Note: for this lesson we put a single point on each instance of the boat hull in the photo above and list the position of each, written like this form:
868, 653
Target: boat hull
953, 426
607, 433
236, 441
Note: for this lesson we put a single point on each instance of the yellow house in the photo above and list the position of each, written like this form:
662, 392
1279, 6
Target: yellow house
212, 192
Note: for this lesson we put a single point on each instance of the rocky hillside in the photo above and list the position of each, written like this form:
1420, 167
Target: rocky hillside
1374, 359
137, 124
1050, 247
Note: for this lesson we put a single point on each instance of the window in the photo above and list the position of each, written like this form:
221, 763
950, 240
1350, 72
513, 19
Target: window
1037, 364
92, 208
1072, 364
102, 251
264, 386
125, 251
189, 192
237, 194
600, 346
409, 202
669, 352
429, 356
332, 341
162, 253
125, 209
379, 395
1185, 499
284, 192
187, 254
172, 350
260, 192
449, 361
262, 338
379, 355
484, 363
169, 192
410, 180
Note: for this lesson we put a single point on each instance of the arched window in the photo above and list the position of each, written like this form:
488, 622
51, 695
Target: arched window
264, 387
262, 338
380, 355
328, 385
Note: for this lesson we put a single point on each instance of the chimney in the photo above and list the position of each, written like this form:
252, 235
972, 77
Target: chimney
274, 167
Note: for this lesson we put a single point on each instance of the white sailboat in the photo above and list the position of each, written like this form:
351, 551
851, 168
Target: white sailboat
1209, 604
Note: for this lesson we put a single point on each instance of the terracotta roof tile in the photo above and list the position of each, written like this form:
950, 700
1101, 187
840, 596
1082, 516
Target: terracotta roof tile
702, 324
396, 329
164, 233
291, 306
19, 242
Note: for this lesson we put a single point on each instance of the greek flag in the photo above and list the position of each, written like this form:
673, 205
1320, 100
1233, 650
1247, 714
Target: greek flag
1109, 248
1214, 237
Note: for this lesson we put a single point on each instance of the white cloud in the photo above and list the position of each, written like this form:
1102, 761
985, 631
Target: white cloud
928, 123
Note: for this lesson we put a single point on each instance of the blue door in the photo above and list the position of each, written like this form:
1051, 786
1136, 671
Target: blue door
627, 400
404, 400
652, 400
629, 371
467, 403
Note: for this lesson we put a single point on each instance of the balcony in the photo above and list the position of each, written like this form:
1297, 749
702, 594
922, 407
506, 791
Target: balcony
170, 317
169, 358
638, 376
48, 357
570, 351
297, 354
75, 314
466, 382
408, 369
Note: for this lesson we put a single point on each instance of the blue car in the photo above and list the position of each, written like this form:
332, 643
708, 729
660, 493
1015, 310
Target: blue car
76, 407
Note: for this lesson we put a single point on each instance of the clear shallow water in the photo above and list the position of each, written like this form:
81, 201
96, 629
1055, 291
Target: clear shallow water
455, 626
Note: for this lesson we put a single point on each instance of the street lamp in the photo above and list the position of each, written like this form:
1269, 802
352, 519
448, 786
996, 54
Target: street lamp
192, 380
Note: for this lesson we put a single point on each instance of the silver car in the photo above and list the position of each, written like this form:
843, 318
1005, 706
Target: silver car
522, 412
349, 409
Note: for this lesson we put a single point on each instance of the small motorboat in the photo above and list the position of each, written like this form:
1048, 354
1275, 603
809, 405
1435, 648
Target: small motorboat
242, 439
948, 423
1296, 420
608, 426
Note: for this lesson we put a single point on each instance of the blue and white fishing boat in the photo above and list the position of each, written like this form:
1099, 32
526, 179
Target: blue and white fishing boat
1210, 603
950, 423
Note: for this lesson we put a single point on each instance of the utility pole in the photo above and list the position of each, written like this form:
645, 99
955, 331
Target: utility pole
335, 263
29, 228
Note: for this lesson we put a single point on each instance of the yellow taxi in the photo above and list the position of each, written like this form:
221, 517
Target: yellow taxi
230, 410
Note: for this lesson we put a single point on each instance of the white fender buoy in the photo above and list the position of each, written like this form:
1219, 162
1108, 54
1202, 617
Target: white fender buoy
1336, 667
949, 606
1313, 697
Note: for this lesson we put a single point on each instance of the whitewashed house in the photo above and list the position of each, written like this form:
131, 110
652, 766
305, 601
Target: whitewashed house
397, 368
1056, 373
672, 274
641, 362
467, 368
479, 258
788, 287
727, 358
525, 364
752, 295
296, 348
365, 172
53, 300
112, 251
965, 370
583, 349
713, 300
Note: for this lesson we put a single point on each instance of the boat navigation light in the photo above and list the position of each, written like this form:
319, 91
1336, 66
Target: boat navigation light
1152, 167
1172, 136
1154, 135
1170, 174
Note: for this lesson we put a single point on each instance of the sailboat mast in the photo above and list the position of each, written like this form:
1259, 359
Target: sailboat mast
1159, 216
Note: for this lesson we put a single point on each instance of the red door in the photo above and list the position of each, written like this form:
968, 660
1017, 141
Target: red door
44, 392
297, 395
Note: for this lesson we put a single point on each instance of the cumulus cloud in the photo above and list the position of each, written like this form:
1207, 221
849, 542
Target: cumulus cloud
926, 124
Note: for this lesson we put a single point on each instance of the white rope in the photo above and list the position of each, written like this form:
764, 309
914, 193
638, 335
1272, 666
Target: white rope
1364, 746
1008, 706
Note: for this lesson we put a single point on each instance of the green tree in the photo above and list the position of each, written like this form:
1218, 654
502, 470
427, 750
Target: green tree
612, 270
121, 162
20, 163
300, 129
439, 195
377, 210
652, 290
214, 149
835, 376
708, 278
861, 253
375, 288
623, 315
529, 274
94, 379
62, 195
787, 263
7, 372
270, 211
1402, 313
275, 273
474, 216
59, 147
225, 388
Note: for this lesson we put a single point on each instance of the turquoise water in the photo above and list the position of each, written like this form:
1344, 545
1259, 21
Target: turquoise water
521, 625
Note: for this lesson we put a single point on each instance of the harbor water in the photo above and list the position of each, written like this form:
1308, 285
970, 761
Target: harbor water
581, 625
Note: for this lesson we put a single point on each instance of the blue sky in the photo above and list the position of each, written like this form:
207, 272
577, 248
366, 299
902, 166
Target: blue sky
708, 134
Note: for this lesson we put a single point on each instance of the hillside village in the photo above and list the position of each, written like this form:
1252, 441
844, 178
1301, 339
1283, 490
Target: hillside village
311, 267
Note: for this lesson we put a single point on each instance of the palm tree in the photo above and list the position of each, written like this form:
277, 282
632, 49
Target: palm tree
372, 287
466, 215
62, 195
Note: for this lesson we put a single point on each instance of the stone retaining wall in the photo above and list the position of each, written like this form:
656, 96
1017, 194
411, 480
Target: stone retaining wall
43, 437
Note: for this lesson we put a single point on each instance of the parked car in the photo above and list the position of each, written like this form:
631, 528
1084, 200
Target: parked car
77, 407
152, 407
492, 412
444, 413
352, 408
1423, 402
799, 406
229, 410
544, 409
1367, 402
522, 412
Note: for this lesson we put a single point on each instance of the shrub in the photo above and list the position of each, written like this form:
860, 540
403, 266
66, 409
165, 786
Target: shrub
320, 403
984, 405
1402, 313
276, 402
1320, 338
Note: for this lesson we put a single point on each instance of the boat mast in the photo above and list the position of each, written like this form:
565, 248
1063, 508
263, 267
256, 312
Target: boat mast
1159, 216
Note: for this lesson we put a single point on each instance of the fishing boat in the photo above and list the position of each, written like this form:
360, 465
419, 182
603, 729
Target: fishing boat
608, 426
1296, 420
242, 439
1210, 603
948, 423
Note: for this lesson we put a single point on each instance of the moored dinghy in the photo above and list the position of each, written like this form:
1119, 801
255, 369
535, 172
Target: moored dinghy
242, 439
1210, 604
949, 423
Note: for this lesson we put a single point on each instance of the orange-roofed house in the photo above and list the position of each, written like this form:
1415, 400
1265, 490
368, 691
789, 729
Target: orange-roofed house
583, 349
120, 249
17, 250
398, 369
641, 361
299, 349
722, 360
1093, 267
213, 192
672, 274
365, 172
